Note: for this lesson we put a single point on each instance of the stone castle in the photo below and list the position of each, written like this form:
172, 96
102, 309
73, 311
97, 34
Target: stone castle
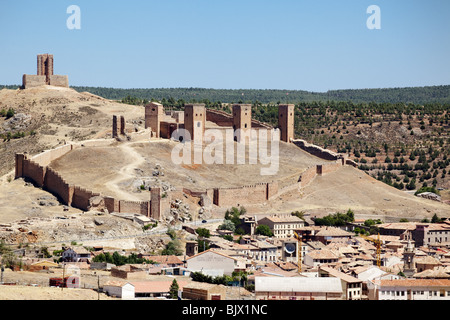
44, 74
160, 125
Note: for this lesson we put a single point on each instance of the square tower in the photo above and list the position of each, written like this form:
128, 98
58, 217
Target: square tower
154, 114
242, 120
286, 122
195, 120
45, 66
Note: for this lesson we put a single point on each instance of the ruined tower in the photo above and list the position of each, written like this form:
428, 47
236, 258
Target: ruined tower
155, 203
286, 122
242, 121
195, 120
154, 114
45, 66
44, 74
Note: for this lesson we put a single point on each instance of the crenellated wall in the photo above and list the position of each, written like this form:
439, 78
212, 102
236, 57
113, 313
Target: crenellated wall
37, 170
81, 198
55, 184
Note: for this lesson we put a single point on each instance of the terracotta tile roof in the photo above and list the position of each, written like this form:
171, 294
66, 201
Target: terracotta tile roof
427, 260
213, 251
415, 283
336, 273
322, 254
284, 218
333, 232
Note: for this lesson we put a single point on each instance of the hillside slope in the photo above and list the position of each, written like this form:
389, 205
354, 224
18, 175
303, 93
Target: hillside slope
47, 116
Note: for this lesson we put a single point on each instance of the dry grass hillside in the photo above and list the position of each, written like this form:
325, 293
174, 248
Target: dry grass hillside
47, 116
50, 116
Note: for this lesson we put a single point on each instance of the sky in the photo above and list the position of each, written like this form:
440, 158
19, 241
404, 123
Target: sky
309, 45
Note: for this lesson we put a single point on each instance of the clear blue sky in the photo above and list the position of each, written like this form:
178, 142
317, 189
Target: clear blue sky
249, 44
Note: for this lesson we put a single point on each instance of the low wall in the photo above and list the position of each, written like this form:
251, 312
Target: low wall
46, 157
316, 150
329, 167
140, 207
307, 176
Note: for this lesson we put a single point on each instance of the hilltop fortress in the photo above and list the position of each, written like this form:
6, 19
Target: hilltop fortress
44, 74
244, 187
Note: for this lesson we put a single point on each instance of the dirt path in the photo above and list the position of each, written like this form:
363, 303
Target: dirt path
134, 159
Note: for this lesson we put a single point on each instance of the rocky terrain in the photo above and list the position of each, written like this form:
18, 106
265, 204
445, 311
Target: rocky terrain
47, 117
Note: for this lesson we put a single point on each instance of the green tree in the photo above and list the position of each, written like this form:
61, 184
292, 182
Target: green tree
264, 230
172, 248
203, 232
435, 219
227, 225
173, 291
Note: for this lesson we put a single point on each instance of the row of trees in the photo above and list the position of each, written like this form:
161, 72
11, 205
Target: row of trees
120, 260
418, 95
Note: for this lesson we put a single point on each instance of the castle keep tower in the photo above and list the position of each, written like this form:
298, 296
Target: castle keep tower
195, 120
154, 114
45, 66
286, 122
44, 74
242, 120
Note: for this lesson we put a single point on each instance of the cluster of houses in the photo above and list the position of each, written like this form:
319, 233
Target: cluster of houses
300, 261
404, 261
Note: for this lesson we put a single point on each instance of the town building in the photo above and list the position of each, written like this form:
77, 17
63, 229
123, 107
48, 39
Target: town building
282, 226
298, 288
204, 291
351, 286
315, 258
411, 289
212, 262
76, 255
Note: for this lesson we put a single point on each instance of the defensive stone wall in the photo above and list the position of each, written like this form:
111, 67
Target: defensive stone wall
329, 167
32, 80
141, 207
220, 118
307, 176
252, 194
46, 157
316, 150
55, 184
224, 119
33, 171
81, 198
37, 170
59, 80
